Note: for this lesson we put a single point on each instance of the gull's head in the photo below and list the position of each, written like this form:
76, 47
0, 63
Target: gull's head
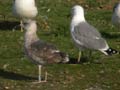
30, 25
77, 14
116, 8
77, 10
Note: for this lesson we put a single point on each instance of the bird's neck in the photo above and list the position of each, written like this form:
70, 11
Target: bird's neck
30, 37
25, 2
77, 19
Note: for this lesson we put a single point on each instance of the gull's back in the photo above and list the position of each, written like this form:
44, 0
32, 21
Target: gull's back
44, 53
86, 36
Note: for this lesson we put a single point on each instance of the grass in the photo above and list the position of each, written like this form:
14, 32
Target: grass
17, 72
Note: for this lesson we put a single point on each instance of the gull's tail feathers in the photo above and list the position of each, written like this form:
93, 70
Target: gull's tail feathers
110, 51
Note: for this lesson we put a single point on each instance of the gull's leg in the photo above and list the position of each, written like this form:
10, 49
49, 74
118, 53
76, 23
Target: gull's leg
45, 77
90, 54
39, 76
79, 56
15, 27
21, 24
39, 73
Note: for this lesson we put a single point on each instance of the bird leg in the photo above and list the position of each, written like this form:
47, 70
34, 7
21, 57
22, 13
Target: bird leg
79, 56
39, 76
45, 77
90, 54
39, 73
21, 24
15, 27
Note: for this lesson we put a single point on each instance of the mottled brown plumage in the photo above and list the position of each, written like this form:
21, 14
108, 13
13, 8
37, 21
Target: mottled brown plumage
44, 53
38, 51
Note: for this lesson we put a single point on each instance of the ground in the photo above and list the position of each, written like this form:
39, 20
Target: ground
99, 72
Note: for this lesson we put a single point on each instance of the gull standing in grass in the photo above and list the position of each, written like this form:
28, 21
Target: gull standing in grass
24, 9
85, 36
40, 52
116, 15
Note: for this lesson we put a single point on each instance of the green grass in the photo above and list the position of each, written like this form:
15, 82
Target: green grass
18, 73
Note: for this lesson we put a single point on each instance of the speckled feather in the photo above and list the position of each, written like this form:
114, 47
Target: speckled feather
44, 53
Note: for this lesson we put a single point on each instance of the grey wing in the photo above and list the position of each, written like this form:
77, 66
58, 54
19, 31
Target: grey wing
86, 29
87, 36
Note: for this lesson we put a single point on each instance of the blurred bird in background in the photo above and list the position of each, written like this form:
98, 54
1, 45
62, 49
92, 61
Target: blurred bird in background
116, 16
24, 9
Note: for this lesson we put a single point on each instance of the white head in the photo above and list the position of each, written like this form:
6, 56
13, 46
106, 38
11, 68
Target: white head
78, 13
116, 8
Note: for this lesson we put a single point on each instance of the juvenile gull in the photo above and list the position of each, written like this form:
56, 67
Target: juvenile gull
116, 15
24, 9
86, 36
40, 52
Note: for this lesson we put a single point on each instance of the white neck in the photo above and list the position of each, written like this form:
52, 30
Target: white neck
76, 19
30, 36
25, 2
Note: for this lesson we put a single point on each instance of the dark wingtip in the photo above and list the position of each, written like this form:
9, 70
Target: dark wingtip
111, 51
